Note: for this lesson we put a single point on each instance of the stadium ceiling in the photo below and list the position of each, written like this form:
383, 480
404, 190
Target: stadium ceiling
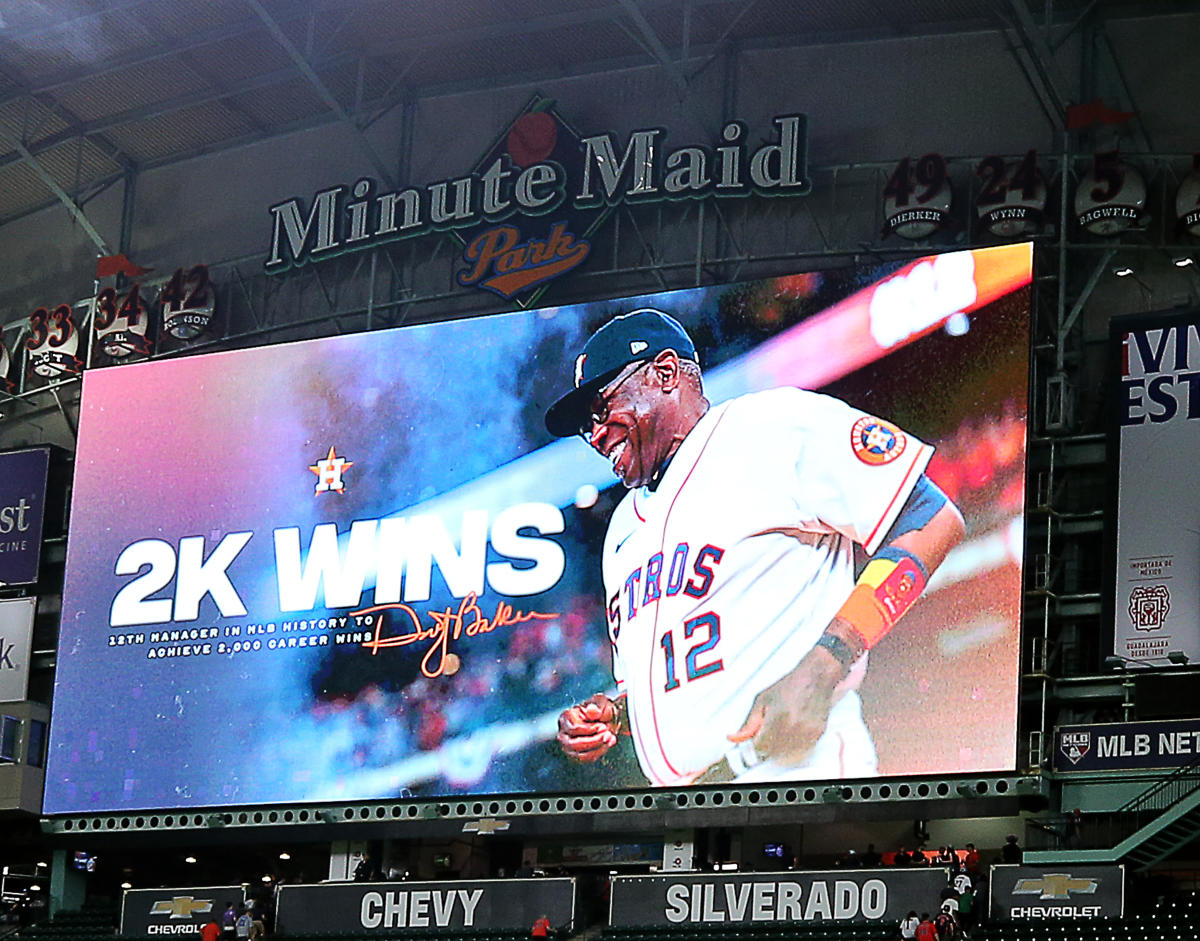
92, 91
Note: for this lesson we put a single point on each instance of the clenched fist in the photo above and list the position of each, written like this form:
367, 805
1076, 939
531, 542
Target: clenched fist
588, 730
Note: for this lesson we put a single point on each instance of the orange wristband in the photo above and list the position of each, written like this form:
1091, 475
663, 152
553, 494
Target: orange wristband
886, 589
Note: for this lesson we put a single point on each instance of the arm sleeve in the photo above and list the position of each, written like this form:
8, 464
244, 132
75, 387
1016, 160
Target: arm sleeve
853, 471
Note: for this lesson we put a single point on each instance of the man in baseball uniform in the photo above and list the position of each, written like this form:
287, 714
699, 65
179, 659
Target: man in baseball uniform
739, 632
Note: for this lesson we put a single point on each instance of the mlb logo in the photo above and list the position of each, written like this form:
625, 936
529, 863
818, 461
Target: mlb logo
1074, 745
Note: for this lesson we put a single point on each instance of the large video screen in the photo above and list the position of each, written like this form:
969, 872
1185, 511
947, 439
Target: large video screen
362, 568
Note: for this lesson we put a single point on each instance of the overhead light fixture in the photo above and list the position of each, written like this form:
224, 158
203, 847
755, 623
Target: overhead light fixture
126, 885
1122, 271
1183, 261
285, 855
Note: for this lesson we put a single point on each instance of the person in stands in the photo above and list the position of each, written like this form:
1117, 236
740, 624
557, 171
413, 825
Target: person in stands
541, 928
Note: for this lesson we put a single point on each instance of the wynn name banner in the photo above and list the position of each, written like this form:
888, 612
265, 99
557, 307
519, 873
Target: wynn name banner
705, 899
392, 907
1126, 746
1034, 893
155, 913
1155, 431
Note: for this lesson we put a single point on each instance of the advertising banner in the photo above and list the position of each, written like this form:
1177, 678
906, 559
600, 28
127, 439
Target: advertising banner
22, 507
177, 913
389, 908
736, 898
1033, 893
1155, 434
16, 646
369, 556
1126, 746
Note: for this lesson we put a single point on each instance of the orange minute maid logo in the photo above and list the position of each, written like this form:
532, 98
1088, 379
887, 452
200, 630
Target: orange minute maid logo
876, 441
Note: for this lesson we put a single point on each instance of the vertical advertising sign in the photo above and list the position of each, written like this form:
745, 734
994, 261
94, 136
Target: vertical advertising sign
1155, 432
22, 506
16, 645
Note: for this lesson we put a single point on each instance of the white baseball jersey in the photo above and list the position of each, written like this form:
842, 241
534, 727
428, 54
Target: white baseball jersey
718, 582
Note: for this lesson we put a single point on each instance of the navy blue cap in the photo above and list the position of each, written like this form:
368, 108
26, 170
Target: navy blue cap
635, 337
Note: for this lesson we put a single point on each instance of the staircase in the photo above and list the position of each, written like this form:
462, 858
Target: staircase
1162, 819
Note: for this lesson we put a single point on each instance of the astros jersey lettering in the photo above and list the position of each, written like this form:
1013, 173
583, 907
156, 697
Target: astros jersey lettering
719, 581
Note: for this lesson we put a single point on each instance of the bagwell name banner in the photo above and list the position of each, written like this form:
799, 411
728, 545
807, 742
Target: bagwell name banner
368, 552
736, 898
391, 908
1156, 432
176, 913
1032, 893
1126, 746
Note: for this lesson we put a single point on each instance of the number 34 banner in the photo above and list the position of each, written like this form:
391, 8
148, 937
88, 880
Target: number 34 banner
122, 318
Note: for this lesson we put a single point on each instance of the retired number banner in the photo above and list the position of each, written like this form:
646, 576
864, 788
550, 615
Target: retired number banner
394, 907
708, 898
149, 913
1156, 433
1034, 893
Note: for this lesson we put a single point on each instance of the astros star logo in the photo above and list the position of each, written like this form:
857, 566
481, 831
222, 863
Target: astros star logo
875, 441
329, 473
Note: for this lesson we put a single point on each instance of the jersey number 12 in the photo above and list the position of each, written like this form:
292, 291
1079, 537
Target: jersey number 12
708, 625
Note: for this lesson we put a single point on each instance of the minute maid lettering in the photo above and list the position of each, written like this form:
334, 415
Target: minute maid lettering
343, 219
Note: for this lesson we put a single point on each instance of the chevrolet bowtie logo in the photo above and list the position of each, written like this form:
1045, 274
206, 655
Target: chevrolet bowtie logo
485, 827
1055, 885
182, 906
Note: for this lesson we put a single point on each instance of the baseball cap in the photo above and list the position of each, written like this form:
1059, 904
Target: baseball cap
635, 337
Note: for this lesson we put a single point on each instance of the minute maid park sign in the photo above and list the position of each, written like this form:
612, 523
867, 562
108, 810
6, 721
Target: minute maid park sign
540, 169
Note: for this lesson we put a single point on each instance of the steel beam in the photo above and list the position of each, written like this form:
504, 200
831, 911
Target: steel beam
656, 45
160, 108
323, 92
63, 197
1034, 44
